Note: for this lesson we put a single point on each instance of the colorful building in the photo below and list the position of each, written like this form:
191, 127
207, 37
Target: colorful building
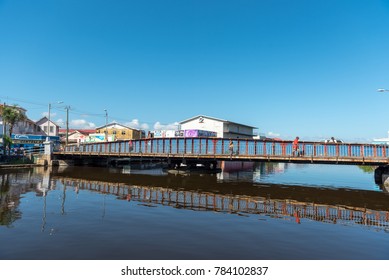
120, 132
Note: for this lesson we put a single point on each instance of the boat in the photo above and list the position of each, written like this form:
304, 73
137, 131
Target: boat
192, 169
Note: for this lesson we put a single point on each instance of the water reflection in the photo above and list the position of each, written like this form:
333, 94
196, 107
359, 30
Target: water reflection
118, 213
238, 204
239, 189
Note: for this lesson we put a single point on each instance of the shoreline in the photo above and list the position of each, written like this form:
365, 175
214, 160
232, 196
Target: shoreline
21, 165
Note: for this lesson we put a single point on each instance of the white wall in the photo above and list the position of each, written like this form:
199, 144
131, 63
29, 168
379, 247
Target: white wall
206, 124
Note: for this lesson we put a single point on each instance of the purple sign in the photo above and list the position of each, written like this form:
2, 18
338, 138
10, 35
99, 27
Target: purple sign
191, 133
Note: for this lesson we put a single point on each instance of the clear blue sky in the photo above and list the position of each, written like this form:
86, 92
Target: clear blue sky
301, 67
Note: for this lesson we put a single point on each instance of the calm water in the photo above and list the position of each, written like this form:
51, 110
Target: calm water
262, 211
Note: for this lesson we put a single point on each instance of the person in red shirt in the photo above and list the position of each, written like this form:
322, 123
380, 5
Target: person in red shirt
295, 147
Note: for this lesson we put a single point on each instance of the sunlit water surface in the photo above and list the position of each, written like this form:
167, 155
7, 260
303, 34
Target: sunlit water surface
268, 211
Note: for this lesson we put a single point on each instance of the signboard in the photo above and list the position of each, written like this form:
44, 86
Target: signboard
95, 137
183, 133
32, 139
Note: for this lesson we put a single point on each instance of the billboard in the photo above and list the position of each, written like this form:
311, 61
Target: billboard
98, 137
183, 133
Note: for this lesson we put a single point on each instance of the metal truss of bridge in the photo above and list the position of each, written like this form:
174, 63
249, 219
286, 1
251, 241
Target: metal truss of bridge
215, 149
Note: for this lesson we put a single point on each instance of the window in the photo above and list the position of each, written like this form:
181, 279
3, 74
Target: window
123, 132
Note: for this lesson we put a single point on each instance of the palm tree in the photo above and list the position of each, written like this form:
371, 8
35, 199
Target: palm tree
11, 115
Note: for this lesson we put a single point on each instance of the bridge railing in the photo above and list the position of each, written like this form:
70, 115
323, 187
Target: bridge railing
219, 146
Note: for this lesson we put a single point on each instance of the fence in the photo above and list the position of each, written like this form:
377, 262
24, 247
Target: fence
242, 147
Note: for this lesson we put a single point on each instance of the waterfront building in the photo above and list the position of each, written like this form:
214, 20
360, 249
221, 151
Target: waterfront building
26, 133
30, 142
48, 127
223, 128
120, 132
75, 135
25, 126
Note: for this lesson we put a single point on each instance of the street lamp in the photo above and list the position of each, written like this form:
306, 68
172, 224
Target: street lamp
67, 124
382, 89
106, 125
48, 126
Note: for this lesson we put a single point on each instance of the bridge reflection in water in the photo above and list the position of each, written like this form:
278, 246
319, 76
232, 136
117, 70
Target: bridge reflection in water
237, 204
102, 213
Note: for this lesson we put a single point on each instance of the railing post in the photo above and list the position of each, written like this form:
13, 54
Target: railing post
325, 150
247, 147
264, 147
199, 145
349, 150
206, 146
362, 148
255, 147
163, 145
192, 146
337, 150
273, 148
178, 143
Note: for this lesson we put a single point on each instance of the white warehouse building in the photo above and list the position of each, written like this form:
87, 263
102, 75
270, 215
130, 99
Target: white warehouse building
223, 128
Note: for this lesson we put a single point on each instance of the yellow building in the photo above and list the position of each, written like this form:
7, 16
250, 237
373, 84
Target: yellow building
121, 132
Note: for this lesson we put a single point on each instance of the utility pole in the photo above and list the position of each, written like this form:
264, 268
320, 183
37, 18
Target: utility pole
67, 124
48, 125
106, 125
4, 131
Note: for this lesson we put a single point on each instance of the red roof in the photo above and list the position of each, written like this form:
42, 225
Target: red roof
83, 131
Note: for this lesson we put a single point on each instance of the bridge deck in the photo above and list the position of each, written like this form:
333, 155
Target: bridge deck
244, 150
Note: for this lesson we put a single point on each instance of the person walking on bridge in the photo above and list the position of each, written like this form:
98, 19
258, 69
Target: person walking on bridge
295, 147
231, 148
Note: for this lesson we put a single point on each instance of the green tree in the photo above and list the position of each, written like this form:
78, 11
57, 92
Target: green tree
11, 115
367, 169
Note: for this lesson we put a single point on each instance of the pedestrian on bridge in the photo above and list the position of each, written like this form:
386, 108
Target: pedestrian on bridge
295, 147
231, 148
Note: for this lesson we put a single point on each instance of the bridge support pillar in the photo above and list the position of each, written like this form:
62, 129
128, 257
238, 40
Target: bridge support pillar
46, 158
48, 146
381, 175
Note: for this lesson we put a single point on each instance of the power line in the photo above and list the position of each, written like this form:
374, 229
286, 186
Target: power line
22, 100
73, 110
